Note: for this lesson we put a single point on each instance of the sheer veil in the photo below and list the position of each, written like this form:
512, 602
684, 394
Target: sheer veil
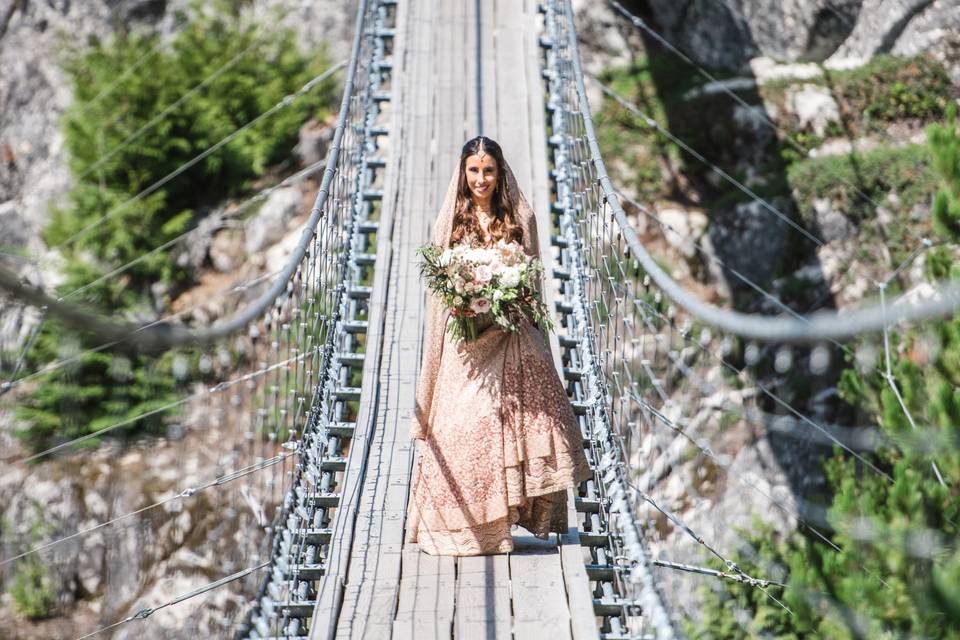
436, 313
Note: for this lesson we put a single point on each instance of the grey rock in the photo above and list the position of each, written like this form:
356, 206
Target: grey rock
900, 26
315, 139
270, 223
227, 250
607, 40
832, 223
813, 106
90, 567
729, 33
197, 245
751, 240
683, 228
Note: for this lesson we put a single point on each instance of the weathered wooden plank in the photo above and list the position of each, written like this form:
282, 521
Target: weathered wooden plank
482, 608
513, 126
364, 620
425, 608
583, 622
396, 591
425, 599
539, 596
370, 594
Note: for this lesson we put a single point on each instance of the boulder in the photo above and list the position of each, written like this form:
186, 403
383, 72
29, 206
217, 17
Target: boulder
730, 33
832, 223
227, 251
751, 240
683, 228
315, 139
270, 223
813, 106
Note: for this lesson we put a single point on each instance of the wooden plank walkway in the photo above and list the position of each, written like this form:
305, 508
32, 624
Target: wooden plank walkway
375, 586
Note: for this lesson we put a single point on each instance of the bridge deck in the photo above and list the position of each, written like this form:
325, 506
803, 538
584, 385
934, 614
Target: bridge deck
389, 590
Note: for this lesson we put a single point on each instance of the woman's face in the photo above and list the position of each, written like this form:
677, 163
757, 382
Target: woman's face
481, 176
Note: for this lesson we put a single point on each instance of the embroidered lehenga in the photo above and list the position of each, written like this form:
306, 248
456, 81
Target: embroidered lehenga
500, 443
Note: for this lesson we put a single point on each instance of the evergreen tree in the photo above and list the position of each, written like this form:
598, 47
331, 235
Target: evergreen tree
897, 570
127, 132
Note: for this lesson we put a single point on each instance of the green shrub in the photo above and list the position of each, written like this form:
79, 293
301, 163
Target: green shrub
877, 173
93, 391
111, 109
893, 570
856, 184
32, 591
626, 140
891, 88
887, 89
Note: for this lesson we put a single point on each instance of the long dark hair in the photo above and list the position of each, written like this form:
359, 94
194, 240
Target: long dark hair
504, 224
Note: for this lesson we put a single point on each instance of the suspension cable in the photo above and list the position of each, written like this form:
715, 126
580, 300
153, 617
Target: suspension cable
282, 104
53, 366
258, 197
186, 493
144, 613
650, 122
226, 384
883, 373
642, 24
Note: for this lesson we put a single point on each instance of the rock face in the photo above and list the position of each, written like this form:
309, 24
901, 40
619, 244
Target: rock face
150, 557
728, 33
270, 223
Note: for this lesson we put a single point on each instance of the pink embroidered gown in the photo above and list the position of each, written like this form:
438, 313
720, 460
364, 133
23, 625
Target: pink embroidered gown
502, 446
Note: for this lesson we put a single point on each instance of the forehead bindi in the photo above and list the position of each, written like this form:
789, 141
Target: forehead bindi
486, 162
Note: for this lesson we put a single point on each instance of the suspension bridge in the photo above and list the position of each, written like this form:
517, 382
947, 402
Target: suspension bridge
334, 344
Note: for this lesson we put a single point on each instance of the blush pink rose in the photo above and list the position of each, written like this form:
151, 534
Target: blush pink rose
480, 305
483, 273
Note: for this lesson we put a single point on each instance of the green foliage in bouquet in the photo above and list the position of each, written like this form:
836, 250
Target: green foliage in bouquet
505, 298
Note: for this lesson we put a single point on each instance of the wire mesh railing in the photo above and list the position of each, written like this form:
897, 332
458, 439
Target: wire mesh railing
265, 402
626, 593
323, 425
703, 421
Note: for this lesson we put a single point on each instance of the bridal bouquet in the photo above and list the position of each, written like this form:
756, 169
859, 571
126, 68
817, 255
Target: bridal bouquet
473, 281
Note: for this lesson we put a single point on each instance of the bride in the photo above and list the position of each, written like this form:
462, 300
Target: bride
500, 443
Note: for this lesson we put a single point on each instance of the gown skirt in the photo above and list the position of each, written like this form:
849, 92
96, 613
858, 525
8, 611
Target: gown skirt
502, 446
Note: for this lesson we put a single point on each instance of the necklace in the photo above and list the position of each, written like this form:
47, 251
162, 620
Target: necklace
484, 220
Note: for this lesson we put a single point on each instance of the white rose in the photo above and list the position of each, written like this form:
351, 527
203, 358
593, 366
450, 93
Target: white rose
510, 277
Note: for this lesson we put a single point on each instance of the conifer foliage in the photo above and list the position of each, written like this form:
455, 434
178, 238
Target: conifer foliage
143, 110
895, 570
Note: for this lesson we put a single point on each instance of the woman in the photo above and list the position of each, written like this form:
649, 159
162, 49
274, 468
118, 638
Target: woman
500, 442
